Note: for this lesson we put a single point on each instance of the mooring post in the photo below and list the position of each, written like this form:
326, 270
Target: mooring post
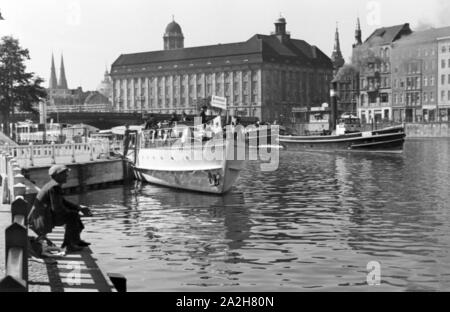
119, 281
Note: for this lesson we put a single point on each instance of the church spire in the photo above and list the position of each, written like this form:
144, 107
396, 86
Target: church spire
336, 56
53, 83
62, 76
358, 34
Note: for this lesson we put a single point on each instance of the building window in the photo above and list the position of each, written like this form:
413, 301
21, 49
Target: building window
425, 81
394, 98
442, 63
431, 81
431, 96
442, 95
425, 97
443, 49
448, 96
443, 79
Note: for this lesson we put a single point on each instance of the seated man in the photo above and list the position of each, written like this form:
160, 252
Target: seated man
50, 209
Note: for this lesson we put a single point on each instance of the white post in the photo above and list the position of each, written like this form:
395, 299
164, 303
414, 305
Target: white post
53, 153
31, 154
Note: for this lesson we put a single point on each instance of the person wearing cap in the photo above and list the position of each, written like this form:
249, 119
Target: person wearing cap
51, 209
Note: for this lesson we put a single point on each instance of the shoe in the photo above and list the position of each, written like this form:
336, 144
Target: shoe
83, 243
74, 248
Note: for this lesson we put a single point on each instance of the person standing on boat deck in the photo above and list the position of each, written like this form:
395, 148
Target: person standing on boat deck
184, 117
174, 119
127, 139
50, 209
150, 123
203, 115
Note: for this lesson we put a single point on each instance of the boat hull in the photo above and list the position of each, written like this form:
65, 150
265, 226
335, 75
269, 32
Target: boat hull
389, 140
182, 170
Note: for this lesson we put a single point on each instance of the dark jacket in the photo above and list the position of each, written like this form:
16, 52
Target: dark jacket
50, 209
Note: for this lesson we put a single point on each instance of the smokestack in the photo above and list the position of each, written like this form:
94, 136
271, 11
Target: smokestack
333, 107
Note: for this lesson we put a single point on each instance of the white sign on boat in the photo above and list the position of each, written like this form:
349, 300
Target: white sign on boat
219, 102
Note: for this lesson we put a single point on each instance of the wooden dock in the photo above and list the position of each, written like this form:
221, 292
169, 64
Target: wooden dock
74, 272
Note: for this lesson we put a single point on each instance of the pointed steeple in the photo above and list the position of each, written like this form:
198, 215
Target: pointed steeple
62, 76
53, 83
358, 34
336, 56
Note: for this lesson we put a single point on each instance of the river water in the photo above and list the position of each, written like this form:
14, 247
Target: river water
312, 225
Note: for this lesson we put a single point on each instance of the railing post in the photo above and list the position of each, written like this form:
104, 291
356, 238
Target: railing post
31, 154
91, 151
53, 152
19, 207
73, 153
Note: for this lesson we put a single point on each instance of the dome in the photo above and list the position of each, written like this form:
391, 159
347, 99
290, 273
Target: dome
281, 20
173, 28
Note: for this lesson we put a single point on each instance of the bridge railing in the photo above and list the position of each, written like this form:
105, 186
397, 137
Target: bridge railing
80, 108
13, 191
49, 154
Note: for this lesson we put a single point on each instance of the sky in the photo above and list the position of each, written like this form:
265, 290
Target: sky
92, 34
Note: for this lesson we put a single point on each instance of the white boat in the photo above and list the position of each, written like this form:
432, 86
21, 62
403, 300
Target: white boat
186, 162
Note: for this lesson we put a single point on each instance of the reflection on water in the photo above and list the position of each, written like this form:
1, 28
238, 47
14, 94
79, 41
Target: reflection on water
313, 224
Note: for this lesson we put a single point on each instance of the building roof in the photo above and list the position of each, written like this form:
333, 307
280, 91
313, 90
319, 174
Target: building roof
266, 46
424, 36
387, 35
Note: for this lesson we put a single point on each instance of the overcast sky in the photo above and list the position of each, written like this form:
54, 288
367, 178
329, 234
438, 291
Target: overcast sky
93, 33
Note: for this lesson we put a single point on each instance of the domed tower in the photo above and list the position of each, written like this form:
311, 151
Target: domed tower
173, 37
280, 29
105, 87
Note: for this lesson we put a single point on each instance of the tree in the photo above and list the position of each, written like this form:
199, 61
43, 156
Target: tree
19, 89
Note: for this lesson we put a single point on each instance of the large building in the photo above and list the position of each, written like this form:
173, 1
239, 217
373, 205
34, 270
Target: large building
271, 77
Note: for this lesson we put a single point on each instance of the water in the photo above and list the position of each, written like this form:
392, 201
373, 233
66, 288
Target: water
314, 224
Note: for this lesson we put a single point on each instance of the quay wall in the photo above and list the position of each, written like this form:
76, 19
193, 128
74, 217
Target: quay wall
84, 175
428, 130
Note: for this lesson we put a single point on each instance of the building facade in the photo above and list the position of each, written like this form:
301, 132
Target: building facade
373, 59
404, 76
268, 76
415, 78
443, 52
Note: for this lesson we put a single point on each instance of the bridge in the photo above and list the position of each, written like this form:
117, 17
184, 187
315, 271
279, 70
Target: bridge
101, 119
